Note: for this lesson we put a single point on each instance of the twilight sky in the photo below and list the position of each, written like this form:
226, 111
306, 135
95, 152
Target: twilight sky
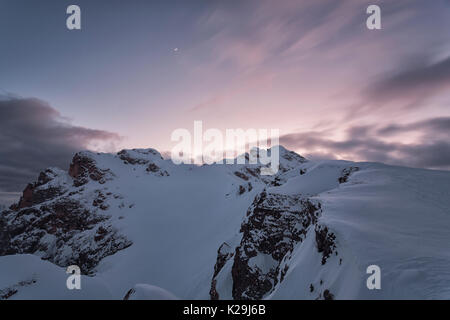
310, 68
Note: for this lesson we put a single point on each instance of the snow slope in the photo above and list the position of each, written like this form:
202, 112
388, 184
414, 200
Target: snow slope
164, 225
28, 277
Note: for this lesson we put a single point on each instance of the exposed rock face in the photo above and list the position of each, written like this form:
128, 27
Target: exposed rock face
51, 222
153, 168
274, 225
139, 156
84, 168
326, 242
346, 173
33, 194
224, 254
241, 175
100, 201
251, 173
128, 159
63, 232
144, 157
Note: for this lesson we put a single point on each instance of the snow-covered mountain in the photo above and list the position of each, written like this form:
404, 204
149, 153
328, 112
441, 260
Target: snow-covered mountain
140, 226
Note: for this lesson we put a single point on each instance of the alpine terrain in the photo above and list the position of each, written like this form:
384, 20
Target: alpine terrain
141, 227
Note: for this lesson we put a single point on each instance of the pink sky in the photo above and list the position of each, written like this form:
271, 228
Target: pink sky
311, 69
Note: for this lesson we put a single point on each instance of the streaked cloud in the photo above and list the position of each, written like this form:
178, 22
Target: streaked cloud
429, 149
415, 84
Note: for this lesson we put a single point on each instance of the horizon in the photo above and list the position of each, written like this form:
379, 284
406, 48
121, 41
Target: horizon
9, 198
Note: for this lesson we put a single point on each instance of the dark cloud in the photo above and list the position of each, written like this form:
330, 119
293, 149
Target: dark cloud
434, 126
415, 83
34, 136
431, 149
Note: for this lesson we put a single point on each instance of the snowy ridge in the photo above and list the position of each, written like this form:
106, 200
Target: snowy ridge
142, 227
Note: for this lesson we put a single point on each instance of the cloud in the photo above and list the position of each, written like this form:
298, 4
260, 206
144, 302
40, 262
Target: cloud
434, 126
431, 149
34, 136
319, 54
413, 84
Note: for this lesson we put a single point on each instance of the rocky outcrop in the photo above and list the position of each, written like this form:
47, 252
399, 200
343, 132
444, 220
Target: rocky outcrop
34, 194
129, 159
241, 175
144, 157
53, 222
325, 241
63, 232
224, 254
139, 156
274, 225
84, 167
252, 172
153, 168
346, 173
